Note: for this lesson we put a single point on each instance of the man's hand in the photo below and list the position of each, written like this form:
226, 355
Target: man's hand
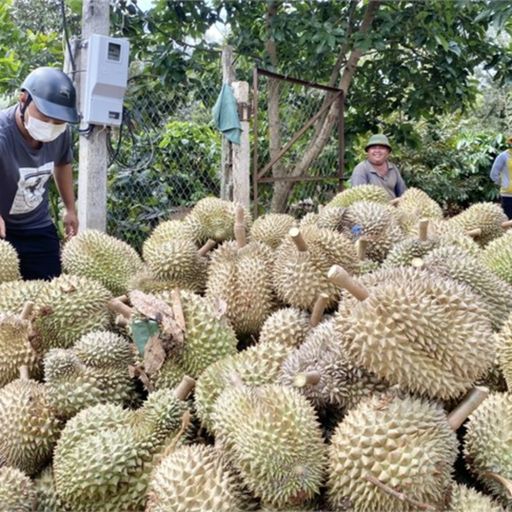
70, 220
2, 227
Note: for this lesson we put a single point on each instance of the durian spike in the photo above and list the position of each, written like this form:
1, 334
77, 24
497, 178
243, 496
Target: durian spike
423, 229
298, 239
361, 246
474, 233
318, 310
395, 201
311, 378
24, 372
507, 224
207, 247
505, 482
28, 307
116, 306
340, 277
177, 309
470, 402
185, 387
398, 495
240, 233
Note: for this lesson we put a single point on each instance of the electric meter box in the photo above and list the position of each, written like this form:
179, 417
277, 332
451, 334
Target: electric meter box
106, 78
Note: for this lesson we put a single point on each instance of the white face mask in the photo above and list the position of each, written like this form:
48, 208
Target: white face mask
41, 130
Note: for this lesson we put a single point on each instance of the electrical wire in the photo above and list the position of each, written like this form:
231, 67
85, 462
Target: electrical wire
66, 36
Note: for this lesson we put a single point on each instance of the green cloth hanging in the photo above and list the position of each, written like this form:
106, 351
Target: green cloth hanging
225, 115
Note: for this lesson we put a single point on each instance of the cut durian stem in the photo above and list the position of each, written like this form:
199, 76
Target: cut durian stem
470, 403
124, 299
505, 482
28, 307
318, 310
177, 308
24, 375
298, 239
118, 307
207, 247
395, 201
184, 388
136, 371
239, 229
423, 230
398, 495
417, 263
474, 233
361, 246
340, 277
311, 378
185, 423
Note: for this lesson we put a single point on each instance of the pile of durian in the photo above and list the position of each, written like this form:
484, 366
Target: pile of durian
357, 359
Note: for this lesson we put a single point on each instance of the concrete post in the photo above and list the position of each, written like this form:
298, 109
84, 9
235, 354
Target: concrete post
241, 153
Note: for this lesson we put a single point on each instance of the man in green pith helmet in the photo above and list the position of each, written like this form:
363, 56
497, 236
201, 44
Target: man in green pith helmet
377, 169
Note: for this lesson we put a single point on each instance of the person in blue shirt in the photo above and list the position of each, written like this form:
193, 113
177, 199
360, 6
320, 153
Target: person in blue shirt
501, 174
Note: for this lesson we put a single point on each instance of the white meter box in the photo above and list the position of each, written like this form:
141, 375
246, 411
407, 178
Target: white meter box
106, 78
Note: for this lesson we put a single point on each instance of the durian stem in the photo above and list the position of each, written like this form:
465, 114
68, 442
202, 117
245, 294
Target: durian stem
298, 239
398, 495
184, 388
24, 375
473, 233
185, 422
177, 308
240, 233
311, 378
340, 277
116, 306
505, 482
361, 246
507, 224
423, 230
207, 247
318, 310
121, 321
395, 201
124, 299
28, 307
417, 263
470, 402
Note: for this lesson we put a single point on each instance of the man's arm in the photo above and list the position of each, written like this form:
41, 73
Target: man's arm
400, 186
64, 179
497, 166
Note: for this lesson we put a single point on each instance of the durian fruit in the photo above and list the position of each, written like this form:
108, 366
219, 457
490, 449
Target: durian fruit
17, 492
424, 333
208, 334
405, 444
331, 218
272, 437
414, 205
47, 499
101, 257
301, 263
10, 268
287, 326
15, 346
465, 499
486, 217
320, 370
504, 342
487, 444
105, 455
310, 219
497, 256
194, 479
216, 218
15, 294
69, 307
145, 281
29, 427
168, 231
457, 264
240, 275
256, 365
271, 228
361, 193
94, 371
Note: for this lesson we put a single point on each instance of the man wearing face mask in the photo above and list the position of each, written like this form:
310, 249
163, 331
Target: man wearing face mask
35, 144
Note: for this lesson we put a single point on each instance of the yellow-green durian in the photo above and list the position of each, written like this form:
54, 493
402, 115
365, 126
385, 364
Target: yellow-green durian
167, 231
101, 257
272, 437
15, 294
310, 219
504, 341
47, 499
17, 493
360, 193
194, 479
403, 443
272, 228
465, 499
331, 218
405, 252
497, 256
414, 205
288, 326
10, 267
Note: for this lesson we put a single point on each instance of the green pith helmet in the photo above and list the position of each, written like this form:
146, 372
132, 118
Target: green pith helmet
378, 140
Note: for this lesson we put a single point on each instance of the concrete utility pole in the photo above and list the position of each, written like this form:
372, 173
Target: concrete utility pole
93, 156
241, 156
226, 180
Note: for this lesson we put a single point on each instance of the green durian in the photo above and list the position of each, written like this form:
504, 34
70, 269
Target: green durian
465, 499
361, 193
497, 256
271, 228
10, 268
17, 492
288, 326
